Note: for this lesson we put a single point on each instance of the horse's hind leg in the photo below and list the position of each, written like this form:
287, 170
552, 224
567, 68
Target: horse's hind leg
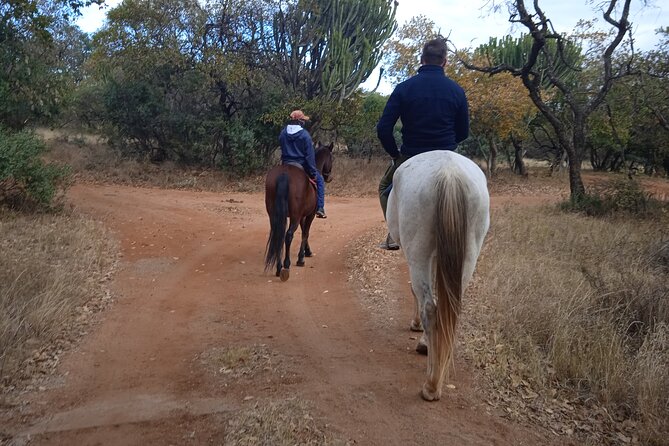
305, 225
436, 362
416, 324
300, 255
303, 243
284, 274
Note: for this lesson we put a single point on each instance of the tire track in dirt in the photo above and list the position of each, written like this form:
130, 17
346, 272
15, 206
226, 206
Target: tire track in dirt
192, 281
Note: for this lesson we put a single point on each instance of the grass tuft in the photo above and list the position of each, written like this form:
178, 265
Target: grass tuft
282, 423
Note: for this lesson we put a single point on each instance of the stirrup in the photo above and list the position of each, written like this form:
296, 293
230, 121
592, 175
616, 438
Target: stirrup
389, 244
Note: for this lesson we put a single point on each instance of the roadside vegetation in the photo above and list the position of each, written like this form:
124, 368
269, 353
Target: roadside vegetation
53, 265
575, 310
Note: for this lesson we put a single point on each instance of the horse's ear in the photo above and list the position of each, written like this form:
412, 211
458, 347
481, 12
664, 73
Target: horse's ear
331, 146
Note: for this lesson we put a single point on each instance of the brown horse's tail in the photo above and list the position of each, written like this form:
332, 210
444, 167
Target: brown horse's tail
451, 221
277, 221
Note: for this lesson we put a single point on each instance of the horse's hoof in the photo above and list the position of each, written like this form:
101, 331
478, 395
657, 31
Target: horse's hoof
278, 273
300, 263
421, 348
416, 326
428, 394
308, 254
284, 275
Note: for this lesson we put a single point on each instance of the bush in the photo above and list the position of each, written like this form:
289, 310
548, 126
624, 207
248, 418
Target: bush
618, 197
25, 179
241, 153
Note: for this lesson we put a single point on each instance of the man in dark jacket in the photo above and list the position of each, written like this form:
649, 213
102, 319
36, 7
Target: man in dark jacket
434, 114
298, 149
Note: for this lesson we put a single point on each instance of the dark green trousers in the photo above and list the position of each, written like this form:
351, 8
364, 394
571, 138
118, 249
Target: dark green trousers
387, 180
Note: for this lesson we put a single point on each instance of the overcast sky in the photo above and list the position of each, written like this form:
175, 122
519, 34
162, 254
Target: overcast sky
471, 22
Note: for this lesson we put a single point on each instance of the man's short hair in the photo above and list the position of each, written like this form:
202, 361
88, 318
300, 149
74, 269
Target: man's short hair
434, 52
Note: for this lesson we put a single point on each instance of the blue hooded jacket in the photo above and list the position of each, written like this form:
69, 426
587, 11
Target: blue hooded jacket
433, 110
296, 147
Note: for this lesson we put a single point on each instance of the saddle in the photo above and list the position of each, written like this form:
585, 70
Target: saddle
311, 180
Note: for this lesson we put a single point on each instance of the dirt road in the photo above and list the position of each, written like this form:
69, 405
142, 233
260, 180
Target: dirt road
191, 294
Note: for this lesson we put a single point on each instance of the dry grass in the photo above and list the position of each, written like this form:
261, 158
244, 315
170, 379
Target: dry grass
371, 270
581, 305
91, 160
282, 423
50, 265
243, 361
356, 177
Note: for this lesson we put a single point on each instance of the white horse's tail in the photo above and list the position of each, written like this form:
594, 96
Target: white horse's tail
451, 221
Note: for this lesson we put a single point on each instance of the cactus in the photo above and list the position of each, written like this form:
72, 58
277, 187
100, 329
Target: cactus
566, 60
331, 46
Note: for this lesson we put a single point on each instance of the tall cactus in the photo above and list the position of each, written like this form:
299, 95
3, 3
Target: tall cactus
329, 47
562, 59
356, 31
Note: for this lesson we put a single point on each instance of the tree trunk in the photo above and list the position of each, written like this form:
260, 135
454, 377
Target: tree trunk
519, 157
492, 159
559, 161
575, 153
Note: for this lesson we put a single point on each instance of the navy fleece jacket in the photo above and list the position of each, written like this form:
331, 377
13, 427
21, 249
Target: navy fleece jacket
433, 110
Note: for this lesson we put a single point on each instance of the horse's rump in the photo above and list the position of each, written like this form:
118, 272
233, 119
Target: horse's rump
301, 193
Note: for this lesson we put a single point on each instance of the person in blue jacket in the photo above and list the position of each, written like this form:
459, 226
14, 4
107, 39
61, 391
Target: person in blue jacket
434, 113
297, 148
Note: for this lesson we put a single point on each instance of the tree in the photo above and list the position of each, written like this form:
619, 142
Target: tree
155, 99
35, 58
359, 133
500, 111
630, 128
326, 48
610, 129
403, 50
650, 91
582, 100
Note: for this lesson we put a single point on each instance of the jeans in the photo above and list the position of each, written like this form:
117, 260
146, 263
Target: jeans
320, 191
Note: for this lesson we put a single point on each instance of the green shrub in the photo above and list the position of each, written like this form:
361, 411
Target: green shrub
628, 196
242, 153
589, 204
620, 196
25, 179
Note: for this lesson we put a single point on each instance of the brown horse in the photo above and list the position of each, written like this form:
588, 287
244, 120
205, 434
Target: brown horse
290, 195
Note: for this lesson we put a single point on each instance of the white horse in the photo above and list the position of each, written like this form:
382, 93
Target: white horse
438, 211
